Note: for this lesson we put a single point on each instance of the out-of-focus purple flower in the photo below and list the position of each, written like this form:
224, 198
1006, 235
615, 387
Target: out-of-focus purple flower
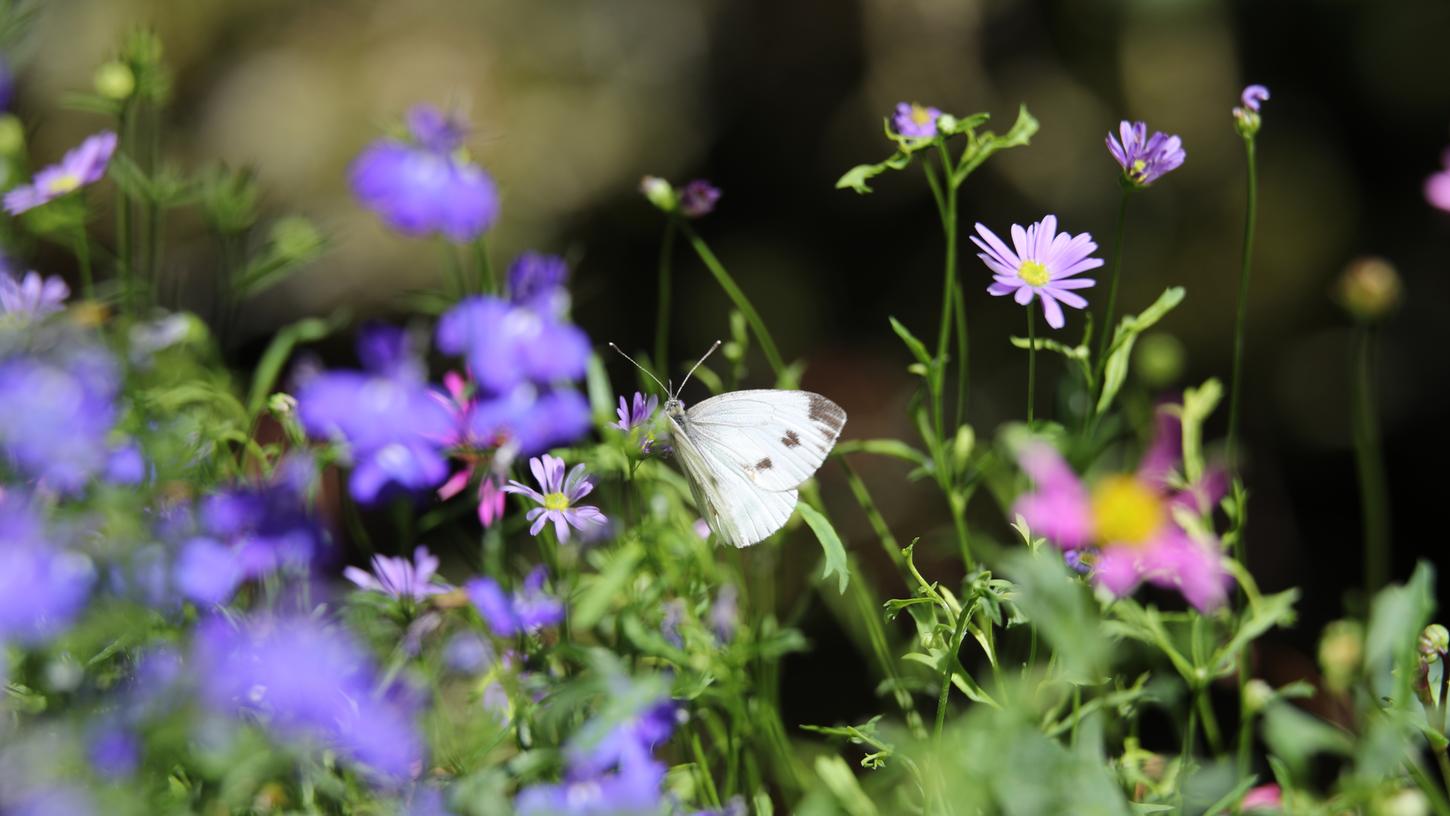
1144, 158
207, 571
508, 345
125, 465
7, 83
426, 801
1437, 186
1042, 263
725, 613
80, 167
528, 610
57, 801
59, 409
735, 807
113, 750
1246, 117
467, 653
394, 425
42, 587
538, 281
915, 121
399, 577
636, 413
307, 681
425, 187
559, 501
1129, 521
698, 198
670, 624
31, 296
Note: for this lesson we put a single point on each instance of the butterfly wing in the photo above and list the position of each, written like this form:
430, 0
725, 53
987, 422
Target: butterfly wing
775, 439
737, 509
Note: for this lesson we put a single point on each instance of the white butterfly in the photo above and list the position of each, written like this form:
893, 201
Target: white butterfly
746, 452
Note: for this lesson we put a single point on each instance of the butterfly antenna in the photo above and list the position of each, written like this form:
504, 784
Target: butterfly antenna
647, 372
692, 369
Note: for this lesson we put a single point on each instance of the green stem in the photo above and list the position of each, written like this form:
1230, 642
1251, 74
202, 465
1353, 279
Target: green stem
455, 269
486, 281
1031, 361
1210, 721
1374, 494
962, 349
1431, 790
704, 767
949, 276
83, 259
124, 268
1250, 211
1105, 333
767, 345
1246, 726
946, 677
662, 316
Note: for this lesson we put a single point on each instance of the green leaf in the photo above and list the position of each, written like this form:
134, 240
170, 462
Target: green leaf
1294, 737
1397, 615
918, 348
1270, 611
594, 601
1060, 608
856, 177
840, 780
269, 367
1115, 371
1198, 404
831, 545
1020, 134
894, 448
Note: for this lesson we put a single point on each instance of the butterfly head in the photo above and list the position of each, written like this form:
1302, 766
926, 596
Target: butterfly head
675, 409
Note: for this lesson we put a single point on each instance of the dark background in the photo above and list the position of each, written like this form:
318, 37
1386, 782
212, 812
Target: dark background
574, 101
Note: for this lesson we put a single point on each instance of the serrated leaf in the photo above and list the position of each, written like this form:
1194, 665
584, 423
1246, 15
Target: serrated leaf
831, 546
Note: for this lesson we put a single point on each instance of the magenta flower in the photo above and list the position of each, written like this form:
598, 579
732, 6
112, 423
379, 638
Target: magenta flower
1043, 264
81, 166
559, 501
399, 577
636, 413
1128, 524
1144, 158
915, 121
1437, 186
698, 198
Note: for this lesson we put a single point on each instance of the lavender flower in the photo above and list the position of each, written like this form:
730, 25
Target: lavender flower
527, 611
32, 296
55, 801
1253, 95
42, 587
725, 613
114, 751
915, 121
1144, 158
80, 167
1437, 186
308, 682
635, 413
399, 577
508, 345
559, 501
1043, 265
537, 280
698, 198
1246, 118
59, 410
423, 187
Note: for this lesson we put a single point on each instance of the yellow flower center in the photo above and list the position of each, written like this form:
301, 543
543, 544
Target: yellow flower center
1125, 511
1034, 273
65, 183
556, 501
920, 115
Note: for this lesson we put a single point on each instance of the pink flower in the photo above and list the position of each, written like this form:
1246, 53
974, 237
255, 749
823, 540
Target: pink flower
1437, 186
1263, 798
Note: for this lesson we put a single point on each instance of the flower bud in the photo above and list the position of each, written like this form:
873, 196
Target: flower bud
946, 123
962, 446
659, 192
1257, 694
280, 403
1434, 641
1369, 289
1340, 651
12, 135
114, 80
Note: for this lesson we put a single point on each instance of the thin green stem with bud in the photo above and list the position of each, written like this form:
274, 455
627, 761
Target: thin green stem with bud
662, 316
1369, 462
1250, 212
1105, 334
736, 295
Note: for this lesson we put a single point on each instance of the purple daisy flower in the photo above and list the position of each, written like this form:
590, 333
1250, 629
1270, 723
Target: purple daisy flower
559, 501
915, 121
32, 295
1043, 264
81, 166
528, 610
1437, 186
633, 415
1145, 158
399, 577
698, 198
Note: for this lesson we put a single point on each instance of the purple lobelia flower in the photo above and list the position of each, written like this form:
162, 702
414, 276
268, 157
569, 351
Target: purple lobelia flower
307, 682
1437, 186
1145, 158
424, 187
538, 281
915, 121
31, 296
1246, 117
698, 198
507, 345
388, 416
559, 501
82, 166
526, 611
60, 406
635, 413
1042, 263
53, 801
399, 577
42, 586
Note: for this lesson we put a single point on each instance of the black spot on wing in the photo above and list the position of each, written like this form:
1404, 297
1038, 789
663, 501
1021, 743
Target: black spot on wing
826, 413
790, 440
764, 464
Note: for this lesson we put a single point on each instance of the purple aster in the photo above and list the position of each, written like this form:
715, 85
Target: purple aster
59, 410
559, 501
537, 280
42, 587
395, 426
698, 198
915, 121
307, 681
1437, 186
635, 413
31, 296
81, 166
1145, 158
527, 611
1043, 264
399, 577
425, 188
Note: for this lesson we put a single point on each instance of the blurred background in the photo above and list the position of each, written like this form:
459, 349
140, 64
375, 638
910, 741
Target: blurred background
573, 101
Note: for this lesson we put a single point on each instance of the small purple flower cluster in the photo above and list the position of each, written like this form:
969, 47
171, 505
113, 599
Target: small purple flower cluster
527, 611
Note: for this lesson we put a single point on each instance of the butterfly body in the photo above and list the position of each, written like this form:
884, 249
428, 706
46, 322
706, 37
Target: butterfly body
746, 453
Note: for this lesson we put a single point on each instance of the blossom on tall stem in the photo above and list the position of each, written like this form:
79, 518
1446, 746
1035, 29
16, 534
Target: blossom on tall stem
1041, 263
1246, 120
915, 121
698, 198
82, 166
1246, 116
559, 501
1145, 158
1437, 186
399, 577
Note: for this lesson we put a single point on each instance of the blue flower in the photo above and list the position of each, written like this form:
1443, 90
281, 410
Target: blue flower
31, 296
59, 409
42, 587
506, 345
528, 610
537, 280
424, 187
